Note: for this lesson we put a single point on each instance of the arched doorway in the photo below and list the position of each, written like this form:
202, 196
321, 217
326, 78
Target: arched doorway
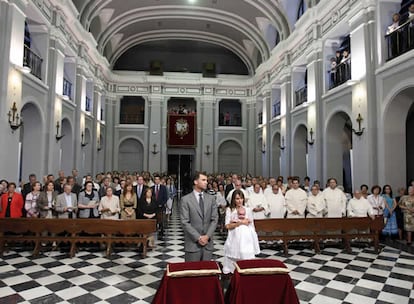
32, 142
300, 150
397, 138
275, 155
131, 155
66, 147
339, 147
230, 157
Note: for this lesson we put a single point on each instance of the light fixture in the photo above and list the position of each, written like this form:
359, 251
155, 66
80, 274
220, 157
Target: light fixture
15, 121
154, 149
98, 144
360, 130
57, 136
312, 140
208, 152
282, 146
263, 148
26, 69
83, 143
192, 1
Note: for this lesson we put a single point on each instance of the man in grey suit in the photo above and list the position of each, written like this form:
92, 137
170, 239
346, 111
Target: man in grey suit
66, 203
198, 213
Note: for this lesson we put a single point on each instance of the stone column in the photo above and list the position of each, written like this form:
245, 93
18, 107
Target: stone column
156, 134
364, 103
207, 123
285, 125
11, 60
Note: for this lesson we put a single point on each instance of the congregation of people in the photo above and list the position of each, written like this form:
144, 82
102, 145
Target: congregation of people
120, 195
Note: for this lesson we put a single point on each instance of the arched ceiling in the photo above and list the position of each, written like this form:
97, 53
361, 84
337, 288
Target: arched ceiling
247, 28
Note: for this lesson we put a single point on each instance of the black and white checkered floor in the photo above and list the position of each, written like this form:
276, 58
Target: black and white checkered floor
333, 276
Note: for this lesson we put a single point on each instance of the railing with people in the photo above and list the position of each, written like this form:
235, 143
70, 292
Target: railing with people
340, 74
400, 39
32, 61
276, 109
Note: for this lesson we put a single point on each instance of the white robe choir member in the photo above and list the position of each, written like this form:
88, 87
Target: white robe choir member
335, 201
359, 207
296, 200
277, 203
316, 206
258, 200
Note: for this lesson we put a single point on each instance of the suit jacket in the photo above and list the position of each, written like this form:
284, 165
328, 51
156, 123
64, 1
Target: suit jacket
193, 222
43, 202
16, 206
61, 204
162, 197
140, 198
85, 213
228, 188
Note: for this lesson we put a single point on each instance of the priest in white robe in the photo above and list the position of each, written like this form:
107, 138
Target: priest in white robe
359, 206
276, 201
258, 203
316, 204
296, 200
335, 200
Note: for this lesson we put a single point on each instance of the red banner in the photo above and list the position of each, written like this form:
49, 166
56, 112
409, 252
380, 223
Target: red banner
182, 130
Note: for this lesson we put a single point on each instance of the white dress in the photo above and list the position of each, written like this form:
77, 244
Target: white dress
241, 243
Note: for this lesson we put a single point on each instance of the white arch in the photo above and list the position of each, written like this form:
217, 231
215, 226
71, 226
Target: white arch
182, 13
33, 100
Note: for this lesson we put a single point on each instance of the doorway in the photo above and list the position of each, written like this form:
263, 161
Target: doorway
181, 166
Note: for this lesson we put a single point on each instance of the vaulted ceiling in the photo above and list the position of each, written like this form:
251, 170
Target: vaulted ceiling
248, 28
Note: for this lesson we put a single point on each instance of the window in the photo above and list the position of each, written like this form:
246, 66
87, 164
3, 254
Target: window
132, 110
230, 113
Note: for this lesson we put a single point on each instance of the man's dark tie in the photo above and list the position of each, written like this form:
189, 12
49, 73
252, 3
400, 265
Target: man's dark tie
156, 192
139, 191
201, 203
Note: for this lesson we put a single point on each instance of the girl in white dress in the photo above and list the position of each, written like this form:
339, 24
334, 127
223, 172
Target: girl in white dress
242, 242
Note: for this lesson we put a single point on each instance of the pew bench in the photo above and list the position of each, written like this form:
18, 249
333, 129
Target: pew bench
317, 230
75, 231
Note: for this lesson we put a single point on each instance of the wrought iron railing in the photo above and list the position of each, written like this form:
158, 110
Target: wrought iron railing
340, 74
301, 96
32, 61
400, 40
276, 109
67, 88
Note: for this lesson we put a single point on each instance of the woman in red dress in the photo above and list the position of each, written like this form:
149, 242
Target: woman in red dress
11, 203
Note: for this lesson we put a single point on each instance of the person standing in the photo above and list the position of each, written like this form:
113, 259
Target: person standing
198, 213
66, 203
11, 203
335, 199
296, 200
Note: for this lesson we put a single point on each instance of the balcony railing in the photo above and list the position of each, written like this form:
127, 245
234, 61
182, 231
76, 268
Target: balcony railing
87, 104
340, 74
400, 40
301, 96
132, 118
32, 61
67, 88
276, 109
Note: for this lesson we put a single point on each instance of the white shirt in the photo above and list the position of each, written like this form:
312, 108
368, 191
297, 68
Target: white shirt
277, 204
258, 200
316, 205
335, 201
68, 198
359, 208
377, 202
296, 200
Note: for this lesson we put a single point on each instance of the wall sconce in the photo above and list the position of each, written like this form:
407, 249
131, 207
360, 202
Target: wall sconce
154, 149
208, 152
15, 121
263, 148
282, 146
98, 145
57, 136
311, 141
360, 131
83, 143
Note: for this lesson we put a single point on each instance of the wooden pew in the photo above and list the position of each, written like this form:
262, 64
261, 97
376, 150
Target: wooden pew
76, 231
319, 229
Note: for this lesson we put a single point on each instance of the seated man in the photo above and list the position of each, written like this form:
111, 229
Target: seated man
359, 206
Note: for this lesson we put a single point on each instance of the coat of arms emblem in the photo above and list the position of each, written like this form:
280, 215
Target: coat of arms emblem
182, 127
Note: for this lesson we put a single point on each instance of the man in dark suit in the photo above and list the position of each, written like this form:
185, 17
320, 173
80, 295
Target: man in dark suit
140, 188
160, 194
231, 186
198, 213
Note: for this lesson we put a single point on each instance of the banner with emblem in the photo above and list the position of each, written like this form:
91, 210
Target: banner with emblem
182, 130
